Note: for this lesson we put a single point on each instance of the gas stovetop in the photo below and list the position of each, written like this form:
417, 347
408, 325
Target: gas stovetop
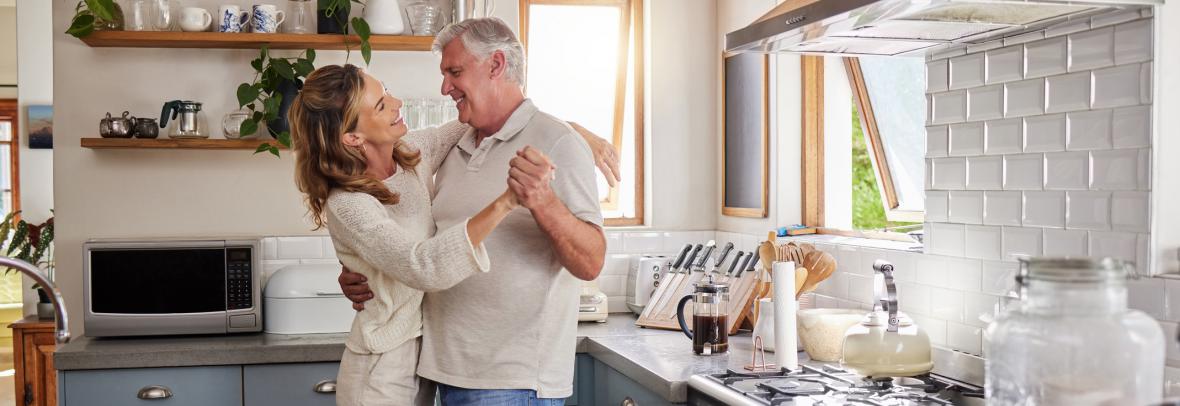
826, 385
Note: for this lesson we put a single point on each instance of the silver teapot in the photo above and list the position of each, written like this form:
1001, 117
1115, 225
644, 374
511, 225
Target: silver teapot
117, 127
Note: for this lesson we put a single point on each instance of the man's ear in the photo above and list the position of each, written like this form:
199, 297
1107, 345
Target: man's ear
352, 139
499, 64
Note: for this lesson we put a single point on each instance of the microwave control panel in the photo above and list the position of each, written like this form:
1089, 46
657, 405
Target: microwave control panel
239, 280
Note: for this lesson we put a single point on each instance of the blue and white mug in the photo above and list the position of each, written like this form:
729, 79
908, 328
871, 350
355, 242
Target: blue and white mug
231, 18
266, 18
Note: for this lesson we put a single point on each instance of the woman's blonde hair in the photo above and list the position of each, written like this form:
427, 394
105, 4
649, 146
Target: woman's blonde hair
328, 107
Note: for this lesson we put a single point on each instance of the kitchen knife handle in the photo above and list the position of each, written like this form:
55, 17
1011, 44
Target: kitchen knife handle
753, 262
680, 258
705, 258
724, 254
742, 268
734, 264
692, 257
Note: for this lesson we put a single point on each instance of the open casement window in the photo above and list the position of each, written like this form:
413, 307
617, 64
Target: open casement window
864, 145
584, 64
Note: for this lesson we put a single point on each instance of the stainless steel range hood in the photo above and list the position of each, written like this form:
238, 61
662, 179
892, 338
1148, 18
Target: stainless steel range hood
903, 27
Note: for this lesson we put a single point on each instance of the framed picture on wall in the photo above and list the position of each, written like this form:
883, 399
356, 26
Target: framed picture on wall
41, 127
745, 135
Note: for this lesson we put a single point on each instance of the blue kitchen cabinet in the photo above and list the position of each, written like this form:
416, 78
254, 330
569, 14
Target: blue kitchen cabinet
181, 386
612, 388
310, 384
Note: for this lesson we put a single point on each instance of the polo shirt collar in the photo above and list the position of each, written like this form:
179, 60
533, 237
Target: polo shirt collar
516, 122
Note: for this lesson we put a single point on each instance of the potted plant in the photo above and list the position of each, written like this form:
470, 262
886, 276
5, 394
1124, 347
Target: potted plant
32, 243
92, 15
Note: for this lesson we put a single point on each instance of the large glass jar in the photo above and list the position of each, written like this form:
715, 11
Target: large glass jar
1071, 340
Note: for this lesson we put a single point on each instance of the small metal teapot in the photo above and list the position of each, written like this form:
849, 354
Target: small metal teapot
146, 128
116, 127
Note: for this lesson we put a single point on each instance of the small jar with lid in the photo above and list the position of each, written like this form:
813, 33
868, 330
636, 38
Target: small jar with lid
1071, 339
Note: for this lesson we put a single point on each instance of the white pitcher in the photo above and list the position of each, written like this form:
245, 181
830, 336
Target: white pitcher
384, 17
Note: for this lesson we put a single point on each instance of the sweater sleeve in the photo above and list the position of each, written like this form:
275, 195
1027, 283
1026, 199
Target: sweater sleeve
360, 222
436, 142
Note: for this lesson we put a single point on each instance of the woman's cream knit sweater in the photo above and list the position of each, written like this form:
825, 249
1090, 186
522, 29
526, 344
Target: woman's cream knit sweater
396, 247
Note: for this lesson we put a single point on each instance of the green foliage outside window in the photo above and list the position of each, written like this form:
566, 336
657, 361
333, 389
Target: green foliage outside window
867, 211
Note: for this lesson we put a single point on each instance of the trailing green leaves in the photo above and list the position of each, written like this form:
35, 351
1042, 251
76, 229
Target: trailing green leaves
361, 27
88, 14
262, 96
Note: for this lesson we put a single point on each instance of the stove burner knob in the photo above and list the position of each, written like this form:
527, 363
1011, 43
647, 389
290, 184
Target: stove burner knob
627, 401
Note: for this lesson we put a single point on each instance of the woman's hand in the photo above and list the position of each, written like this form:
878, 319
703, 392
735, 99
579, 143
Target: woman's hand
605, 156
529, 175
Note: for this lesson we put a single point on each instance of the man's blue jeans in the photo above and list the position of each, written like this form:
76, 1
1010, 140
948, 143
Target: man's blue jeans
453, 396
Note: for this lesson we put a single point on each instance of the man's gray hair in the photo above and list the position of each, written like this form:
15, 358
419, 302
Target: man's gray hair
482, 37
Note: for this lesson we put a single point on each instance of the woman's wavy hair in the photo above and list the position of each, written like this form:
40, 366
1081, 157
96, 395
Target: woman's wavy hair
328, 107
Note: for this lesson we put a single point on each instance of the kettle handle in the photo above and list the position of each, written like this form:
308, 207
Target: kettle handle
886, 292
172, 106
680, 315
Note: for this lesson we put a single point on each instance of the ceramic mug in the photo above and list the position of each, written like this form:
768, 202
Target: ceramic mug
231, 18
266, 18
195, 19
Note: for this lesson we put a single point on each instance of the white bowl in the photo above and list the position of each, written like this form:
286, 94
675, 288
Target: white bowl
821, 331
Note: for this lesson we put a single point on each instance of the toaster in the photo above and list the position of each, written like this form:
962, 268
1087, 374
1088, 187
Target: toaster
643, 278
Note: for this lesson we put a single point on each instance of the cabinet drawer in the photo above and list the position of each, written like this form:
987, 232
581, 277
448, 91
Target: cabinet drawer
188, 386
290, 384
614, 388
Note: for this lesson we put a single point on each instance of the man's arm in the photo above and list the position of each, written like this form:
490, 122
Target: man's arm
580, 246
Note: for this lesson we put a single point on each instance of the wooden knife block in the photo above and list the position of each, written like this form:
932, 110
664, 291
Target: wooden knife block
741, 298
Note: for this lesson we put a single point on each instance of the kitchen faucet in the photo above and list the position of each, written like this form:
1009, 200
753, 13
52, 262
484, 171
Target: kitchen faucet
59, 307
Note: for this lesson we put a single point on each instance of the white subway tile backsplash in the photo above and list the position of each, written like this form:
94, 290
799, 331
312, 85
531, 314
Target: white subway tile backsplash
1005, 64
986, 46
1115, 17
913, 298
1068, 28
1045, 133
644, 242
967, 71
1091, 49
1021, 242
1089, 130
979, 308
999, 277
329, 249
949, 107
935, 328
1117, 86
1024, 172
1024, 38
269, 267
1131, 127
860, 288
1046, 57
1065, 243
937, 141
1144, 169
968, 339
1024, 98
1068, 92
948, 239
966, 139
982, 242
985, 103
1114, 244
1002, 136
1066, 170
931, 269
985, 173
300, 247
946, 304
1129, 212
1088, 210
1142, 258
966, 207
1148, 295
949, 173
1132, 42
963, 274
1172, 291
270, 248
614, 242
1145, 79
1116, 170
1001, 208
949, 53
613, 285
1044, 209
936, 206
1172, 352
937, 75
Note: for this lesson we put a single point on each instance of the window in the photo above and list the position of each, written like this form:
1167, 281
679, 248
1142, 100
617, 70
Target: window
585, 65
10, 284
864, 143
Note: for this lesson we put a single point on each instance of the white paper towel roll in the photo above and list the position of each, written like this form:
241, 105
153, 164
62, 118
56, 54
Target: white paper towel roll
785, 337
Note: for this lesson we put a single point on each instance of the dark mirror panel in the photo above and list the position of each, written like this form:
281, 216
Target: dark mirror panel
158, 281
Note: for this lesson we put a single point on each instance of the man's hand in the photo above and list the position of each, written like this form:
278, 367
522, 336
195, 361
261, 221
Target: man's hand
355, 288
605, 156
529, 175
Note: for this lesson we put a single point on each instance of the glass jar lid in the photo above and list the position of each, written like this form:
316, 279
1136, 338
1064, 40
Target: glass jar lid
1074, 270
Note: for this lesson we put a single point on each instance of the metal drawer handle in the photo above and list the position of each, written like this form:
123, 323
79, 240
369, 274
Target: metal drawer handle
627, 401
154, 392
325, 386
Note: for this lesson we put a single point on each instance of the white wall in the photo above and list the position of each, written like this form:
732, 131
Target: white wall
7, 48
837, 145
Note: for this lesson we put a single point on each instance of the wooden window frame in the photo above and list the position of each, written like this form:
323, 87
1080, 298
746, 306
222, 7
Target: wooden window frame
813, 151
9, 109
631, 24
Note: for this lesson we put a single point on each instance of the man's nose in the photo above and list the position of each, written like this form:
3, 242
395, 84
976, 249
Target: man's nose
446, 86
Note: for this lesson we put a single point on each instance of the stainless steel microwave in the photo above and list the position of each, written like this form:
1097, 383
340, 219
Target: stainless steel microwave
171, 287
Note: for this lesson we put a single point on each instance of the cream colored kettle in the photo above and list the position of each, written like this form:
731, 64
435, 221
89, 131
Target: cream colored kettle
886, 343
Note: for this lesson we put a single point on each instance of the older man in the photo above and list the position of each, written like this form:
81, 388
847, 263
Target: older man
507, 336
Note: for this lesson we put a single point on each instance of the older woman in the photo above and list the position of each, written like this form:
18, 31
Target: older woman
368, 180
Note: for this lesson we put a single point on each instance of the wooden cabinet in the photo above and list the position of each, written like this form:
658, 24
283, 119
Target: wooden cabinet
179, 386
312, 384
32, 348
611, 388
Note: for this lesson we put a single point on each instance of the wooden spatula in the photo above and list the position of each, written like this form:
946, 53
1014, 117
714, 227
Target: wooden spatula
801, 276
821, 266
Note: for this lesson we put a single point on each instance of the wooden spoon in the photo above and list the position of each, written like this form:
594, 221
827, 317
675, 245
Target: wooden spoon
822, 265
801, 276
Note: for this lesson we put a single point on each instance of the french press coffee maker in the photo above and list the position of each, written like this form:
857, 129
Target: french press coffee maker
710, 326
189, 120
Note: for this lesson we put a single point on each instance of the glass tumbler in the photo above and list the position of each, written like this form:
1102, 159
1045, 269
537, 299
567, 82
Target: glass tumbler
303, 17
138, 16
162, 15
423, 18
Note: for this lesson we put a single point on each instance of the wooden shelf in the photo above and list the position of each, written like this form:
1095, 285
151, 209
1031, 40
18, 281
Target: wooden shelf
227, 40
174, 143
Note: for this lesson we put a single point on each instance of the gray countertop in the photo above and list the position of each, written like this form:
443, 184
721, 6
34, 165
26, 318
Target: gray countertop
660, 360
